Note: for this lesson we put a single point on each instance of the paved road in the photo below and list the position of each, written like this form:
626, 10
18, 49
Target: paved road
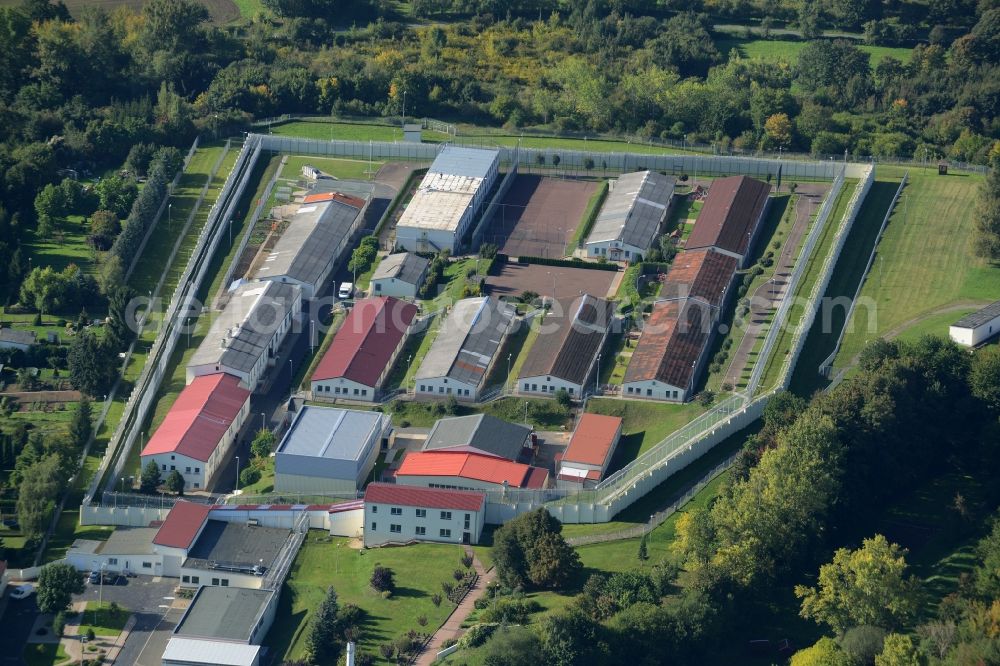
149, 636
17, 621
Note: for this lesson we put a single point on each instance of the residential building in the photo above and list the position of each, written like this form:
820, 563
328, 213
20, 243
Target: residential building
706, 275
731, 217
632, 216
465, 349
126, 550
671, 351
232, 554
245, 337
397, 513
480, 433
364, 350
566, 357
328, 450
467, 471
314, 241
585, 461
978, 327
400, 275
199, 432
178, 534
14, 338
448, 199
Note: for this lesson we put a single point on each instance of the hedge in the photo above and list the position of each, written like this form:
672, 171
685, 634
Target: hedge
161, 172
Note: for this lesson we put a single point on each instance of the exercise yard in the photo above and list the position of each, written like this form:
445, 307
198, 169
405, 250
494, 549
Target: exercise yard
539, 216
512, 280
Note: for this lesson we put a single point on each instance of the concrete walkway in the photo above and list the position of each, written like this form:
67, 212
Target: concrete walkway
452, 627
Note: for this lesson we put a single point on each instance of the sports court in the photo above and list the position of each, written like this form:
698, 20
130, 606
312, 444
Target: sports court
539, 215
515, 279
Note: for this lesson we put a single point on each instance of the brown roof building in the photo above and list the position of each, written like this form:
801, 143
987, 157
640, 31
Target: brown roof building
586, 459
565, 353
704, 274
730, 219
670, 352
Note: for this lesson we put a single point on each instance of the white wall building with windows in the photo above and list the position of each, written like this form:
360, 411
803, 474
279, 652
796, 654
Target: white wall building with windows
397, 514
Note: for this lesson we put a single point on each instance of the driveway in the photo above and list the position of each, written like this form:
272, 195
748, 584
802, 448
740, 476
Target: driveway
149, 636
17, 622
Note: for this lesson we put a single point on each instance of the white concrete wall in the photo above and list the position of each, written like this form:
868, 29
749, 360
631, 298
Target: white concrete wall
378, 522
415, 239
131, 516
442, 387
347, 523
215, 578
318, 519
296, 483
394, 287
327, 390
116, 563
659, 391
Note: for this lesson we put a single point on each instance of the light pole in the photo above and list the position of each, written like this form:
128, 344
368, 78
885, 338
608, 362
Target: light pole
230, 234
508, 366
312, 336
597, 377
263, 424
291, 379
170, 218
525, 412
237, 474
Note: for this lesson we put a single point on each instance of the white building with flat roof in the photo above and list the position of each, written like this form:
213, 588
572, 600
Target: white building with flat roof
448, 199
974, 329
328, 450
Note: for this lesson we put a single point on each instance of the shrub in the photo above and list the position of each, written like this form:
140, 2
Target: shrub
59, 623
387, 650
422, 620
90, 634
457, 574
436, 599
447, 587
476, 635
249, 476
467, 561
706, 398
383, 579
727, 387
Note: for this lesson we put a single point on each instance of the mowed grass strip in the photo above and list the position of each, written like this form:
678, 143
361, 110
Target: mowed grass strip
925, 260
783, 50
325, 562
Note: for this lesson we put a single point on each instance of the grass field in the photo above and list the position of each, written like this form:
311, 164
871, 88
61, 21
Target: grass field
925, 262
643, 424
338, 168
775, 50
103, 619
44, 654
324, 562
589, 216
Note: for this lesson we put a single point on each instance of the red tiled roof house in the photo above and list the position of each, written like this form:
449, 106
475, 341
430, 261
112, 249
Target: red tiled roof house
400, 513
589, 453
199, 431
364, 349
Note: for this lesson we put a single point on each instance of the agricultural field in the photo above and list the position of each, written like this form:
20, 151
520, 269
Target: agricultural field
925, 273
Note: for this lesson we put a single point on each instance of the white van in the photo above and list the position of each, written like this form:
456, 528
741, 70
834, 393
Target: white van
346, 290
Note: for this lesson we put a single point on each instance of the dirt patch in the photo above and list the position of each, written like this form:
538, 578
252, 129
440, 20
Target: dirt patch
538, 216
515, 279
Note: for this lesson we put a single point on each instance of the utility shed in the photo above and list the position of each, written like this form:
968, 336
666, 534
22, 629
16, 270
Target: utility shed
632, 216
465, 349
974, 329
328, 450
448, 199
400, 275
589, 453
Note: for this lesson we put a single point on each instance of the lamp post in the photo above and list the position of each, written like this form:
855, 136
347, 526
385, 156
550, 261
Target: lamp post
170, 218
237, 473
230, 234
597, 377
263, 424
509, 354
312, 336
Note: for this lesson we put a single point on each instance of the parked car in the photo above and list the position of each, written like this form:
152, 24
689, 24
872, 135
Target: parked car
22, 591
346, 290
94, 577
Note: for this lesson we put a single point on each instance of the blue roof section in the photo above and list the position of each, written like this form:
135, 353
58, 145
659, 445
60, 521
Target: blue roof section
331, 433
469, 162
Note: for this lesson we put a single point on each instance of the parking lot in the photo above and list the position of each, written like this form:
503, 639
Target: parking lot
515, 279
539, 215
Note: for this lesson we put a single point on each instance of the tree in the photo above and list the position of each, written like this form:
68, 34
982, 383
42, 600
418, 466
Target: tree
988, 214
512, 646
323, 643
572, 638
809, 18
262, 444
81, 427
563, 398
104, 228
249, 476
898, 650
50, 206
825, 652
530, 550
383, 579
150, 479
862, 643
57, 583
93, 365
643, 553
778, 130
117, 194
39, 486
175, 482
866, 586
119, 330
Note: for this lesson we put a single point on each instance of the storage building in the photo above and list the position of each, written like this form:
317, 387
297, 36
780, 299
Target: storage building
974, 329
400, 275
396, 513
467, 471
465, 349
363, 350
448, 199
705, 275
328, 450
480, 433
586, 459
632, 215
731, 217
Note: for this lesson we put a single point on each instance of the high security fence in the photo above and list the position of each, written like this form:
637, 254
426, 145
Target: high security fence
143, 397
569, 160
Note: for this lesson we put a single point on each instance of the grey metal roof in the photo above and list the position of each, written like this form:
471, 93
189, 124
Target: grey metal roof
404, 266
129, 541
243, 330
17, 336
230, 613
308, 246
467, 341
569, 351
480, 431
976, 319
235, 544
219, 653
469, 162
634, 209
328, 432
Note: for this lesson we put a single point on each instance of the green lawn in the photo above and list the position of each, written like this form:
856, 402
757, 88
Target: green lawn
925, 261
412, 355
589, 216
103, 619
44, 654
517, 346
250, 8
339, 131
775, 50
324, 562
644, 424
541, 413
338, 168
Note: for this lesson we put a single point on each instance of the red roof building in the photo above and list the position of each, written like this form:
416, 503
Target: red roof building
468, 471
334, 196
364, 349
404, 513
590, 448
200, 428
183, 525
430, 498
